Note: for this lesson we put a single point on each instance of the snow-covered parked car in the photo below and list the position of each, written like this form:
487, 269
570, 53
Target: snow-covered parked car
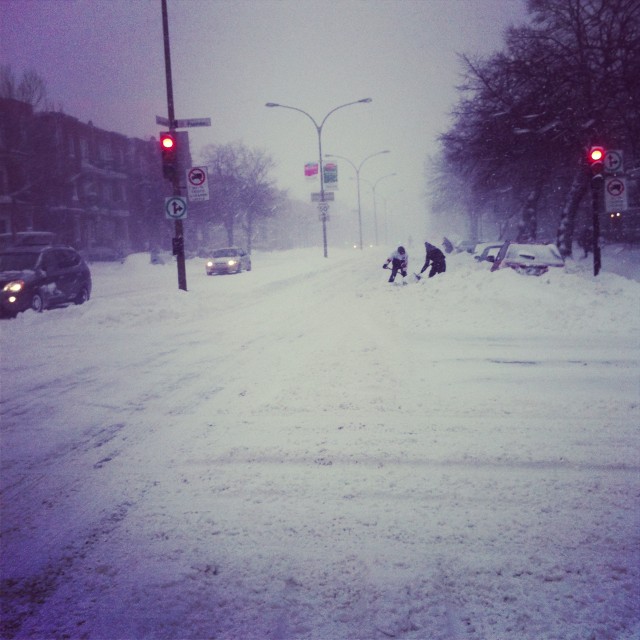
228, 260
528, 259
487, 251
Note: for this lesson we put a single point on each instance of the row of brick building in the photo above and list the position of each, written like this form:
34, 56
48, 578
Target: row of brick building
98, 190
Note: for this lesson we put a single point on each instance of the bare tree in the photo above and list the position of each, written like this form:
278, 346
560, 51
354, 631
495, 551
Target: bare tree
527, 115
30, 88
241, 188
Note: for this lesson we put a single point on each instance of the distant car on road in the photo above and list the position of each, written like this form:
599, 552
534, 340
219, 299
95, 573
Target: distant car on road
228, 260
528, 259
41, 277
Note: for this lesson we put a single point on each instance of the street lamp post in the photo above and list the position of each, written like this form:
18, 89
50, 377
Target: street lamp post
323, 208
357, 170
374, 186
386, 203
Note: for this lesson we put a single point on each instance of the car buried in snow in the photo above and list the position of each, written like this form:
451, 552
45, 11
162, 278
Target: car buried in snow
528, 259
487, 251
228, 260
41, 277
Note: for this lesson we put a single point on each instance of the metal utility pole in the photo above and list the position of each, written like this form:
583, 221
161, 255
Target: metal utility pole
323, 206
597, 198
596, 160
357, 170
178, 241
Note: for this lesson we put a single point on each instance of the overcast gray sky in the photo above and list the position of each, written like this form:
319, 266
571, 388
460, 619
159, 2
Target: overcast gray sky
103, 61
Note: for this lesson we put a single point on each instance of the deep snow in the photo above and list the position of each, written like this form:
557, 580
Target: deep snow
305, 451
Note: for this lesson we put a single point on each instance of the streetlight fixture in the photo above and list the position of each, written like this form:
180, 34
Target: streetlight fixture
357, 170
322, 206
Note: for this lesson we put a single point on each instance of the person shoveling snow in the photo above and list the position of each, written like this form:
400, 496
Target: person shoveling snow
435, 258
399, 261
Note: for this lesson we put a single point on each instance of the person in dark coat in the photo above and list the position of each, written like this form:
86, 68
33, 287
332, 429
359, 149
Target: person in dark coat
399, 260
435, 258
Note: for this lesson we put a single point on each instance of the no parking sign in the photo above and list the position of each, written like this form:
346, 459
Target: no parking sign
615, 195
198, 184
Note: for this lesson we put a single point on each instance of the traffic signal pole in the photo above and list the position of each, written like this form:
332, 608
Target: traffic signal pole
597, 195
178, 241
596, 162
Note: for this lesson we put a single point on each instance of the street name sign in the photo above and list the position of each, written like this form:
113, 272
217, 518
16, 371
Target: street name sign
328, 196
193, 122
183, 124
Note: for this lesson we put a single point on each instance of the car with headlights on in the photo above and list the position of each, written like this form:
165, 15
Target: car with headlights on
42, 277
528, 259
228, 260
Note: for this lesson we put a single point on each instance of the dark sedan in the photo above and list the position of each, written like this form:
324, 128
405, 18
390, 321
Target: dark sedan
39, 278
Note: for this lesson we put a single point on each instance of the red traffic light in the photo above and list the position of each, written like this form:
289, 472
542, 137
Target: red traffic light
167, 141
169, 151
596, 161
596, 154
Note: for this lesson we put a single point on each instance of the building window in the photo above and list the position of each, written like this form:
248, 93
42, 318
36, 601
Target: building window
105, 151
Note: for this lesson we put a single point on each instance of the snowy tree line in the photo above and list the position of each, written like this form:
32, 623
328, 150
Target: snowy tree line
517, 147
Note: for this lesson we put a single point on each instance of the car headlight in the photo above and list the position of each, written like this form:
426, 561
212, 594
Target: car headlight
14, 287
232, 263
210, 263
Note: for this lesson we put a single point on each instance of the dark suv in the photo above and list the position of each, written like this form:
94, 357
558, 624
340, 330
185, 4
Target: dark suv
37, 277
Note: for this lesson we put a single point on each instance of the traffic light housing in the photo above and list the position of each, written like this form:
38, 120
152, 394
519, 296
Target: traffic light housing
596, 160
169, 151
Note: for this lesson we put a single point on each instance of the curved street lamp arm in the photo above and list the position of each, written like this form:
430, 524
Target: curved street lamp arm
285, 106
348, 104
389, 175
333, 155
377, 153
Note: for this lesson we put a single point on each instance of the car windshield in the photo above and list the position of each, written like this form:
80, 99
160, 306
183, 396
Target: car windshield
18, 261
544, 254
225, 253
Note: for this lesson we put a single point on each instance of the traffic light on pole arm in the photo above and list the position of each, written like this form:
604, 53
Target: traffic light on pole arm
596, 161
169, 151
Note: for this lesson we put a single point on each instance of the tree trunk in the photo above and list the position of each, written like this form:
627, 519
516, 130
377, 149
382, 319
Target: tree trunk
528, 225
570, 211
229, 229
249, 229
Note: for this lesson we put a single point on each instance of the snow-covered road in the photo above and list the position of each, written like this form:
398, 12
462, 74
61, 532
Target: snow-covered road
305, 451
